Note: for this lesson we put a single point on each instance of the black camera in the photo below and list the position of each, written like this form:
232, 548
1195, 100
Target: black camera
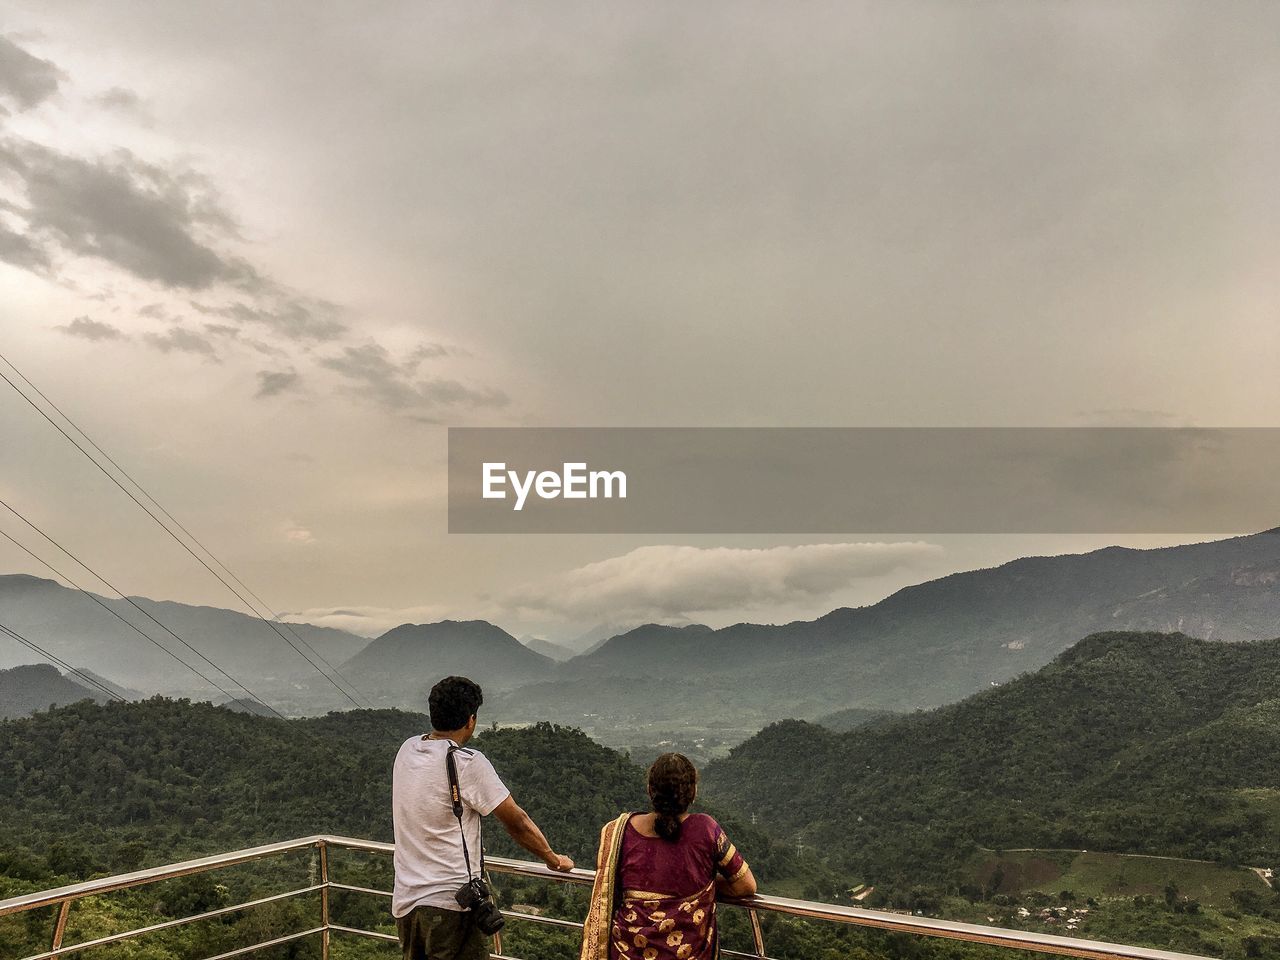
474, 896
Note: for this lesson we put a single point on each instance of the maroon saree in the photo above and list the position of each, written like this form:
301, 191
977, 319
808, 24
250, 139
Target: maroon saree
631, 922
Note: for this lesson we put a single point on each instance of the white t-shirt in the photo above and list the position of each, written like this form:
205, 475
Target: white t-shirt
428, 858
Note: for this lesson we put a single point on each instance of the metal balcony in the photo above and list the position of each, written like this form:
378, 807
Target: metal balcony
63, 898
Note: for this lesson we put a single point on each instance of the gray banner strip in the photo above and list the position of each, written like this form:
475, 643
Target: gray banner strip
723, 480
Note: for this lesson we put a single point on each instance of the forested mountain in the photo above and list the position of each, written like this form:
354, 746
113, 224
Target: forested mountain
854, 717
94, 787
653, 647
1148, 743
37, 687
80, 632
400, 666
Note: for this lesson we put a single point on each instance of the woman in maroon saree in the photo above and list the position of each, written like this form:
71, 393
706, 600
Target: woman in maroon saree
657, 875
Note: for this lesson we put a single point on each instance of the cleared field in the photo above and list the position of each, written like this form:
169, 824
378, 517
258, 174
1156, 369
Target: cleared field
1093, 874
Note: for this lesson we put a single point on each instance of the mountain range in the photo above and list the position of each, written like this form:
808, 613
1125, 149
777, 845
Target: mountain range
921, 647
928, 644
82, 633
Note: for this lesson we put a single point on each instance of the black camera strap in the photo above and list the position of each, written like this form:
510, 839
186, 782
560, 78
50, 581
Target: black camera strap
455, 797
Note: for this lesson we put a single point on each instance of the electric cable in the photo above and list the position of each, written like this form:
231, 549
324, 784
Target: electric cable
176, 522
161, 523
58, 662
134, 627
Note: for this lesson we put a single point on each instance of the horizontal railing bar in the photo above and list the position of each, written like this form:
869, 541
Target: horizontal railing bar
358, 843
739, 955
953, 930
181, 921
521, 868
534, 918
904, 923
77, 891
288, 938
338, 928
351, 889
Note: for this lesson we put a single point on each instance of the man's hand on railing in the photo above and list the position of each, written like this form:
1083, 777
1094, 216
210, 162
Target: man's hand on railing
558, 861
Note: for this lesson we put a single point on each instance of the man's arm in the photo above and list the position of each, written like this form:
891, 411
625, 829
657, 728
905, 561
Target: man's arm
526, 833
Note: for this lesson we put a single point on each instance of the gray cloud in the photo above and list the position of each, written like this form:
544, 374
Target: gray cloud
443, 391
135, 215
272, 383
124, 101
181, 340
166, 224
19, 251
25, 79
95, 330
661, 582
428, 351
373, 373
289, 315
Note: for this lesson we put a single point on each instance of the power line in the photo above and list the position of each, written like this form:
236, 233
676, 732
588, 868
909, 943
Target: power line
60, 663
176, 522
165, 527
132, 626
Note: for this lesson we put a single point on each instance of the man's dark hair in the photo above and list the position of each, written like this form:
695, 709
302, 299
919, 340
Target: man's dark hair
453, 701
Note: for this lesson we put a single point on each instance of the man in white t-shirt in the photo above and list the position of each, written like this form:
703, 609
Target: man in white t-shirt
429, 862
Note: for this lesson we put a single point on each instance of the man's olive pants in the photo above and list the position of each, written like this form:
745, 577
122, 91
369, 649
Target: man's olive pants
433, 933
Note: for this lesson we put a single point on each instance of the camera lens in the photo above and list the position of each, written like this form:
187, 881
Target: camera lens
489, 918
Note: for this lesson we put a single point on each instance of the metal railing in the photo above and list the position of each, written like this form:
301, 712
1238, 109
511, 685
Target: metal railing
63, 898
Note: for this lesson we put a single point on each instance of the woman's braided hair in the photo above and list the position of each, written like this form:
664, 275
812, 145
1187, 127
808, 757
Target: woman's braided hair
673, 783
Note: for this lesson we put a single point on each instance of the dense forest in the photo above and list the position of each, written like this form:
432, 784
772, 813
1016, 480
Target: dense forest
1127, 744
1141, 743
92, 789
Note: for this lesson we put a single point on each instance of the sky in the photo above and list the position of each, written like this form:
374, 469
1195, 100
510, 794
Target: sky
266, 259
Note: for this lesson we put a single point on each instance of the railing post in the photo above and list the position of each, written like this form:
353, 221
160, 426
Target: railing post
757, 934
497, 937
60, 927
324, 900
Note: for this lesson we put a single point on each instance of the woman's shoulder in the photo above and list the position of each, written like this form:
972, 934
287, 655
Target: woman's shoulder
702, 823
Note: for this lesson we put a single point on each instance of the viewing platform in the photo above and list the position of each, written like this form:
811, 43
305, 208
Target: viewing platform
322, 929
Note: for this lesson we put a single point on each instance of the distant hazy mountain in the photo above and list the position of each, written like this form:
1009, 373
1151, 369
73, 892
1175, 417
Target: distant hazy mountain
592, 640
81, 632
26, 689
124, 693
400, 666
652, 647
928, 644
548, 649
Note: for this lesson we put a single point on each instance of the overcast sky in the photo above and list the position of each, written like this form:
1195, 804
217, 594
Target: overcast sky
266, 253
